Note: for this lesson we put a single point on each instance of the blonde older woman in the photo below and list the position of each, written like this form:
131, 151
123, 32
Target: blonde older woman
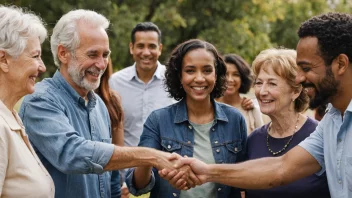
283, 101
21, 172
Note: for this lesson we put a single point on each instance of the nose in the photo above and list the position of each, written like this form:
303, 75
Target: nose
199, 77
146, 51
41, 67
101, 63
263, 90
300, 77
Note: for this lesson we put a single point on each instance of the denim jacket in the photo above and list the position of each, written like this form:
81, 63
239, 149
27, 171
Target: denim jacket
168, 129
72, 139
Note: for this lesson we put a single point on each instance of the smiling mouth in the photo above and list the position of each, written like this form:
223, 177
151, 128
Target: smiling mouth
198, 88
33, 78
95, 74
266, 101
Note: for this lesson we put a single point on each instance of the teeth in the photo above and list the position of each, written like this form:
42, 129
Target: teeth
198, 88
33, 78
265, 101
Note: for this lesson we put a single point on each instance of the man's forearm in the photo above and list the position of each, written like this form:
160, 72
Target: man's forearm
127, 157
259, 174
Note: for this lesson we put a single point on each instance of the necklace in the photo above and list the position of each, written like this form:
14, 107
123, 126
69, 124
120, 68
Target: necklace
286, 145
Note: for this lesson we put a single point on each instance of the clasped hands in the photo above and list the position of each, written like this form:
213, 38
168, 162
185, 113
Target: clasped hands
185, 173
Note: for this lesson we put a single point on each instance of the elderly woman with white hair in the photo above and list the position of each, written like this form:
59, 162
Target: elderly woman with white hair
21, 172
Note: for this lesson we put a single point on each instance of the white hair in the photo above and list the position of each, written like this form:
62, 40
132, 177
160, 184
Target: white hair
65, 32
16, 26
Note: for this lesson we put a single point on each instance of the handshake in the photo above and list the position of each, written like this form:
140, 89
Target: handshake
182, 173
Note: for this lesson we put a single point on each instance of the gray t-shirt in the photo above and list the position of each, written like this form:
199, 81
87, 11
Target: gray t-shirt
202, 151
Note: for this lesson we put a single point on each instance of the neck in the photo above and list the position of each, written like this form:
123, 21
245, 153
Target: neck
8, 96
234, 100
341, 100
284, 125
145, 76
200, 112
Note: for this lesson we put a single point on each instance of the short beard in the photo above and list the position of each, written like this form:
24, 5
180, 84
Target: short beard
78, 77
327, 89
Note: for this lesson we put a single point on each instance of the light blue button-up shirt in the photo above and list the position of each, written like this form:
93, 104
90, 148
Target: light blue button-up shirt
139, 99
72, 139
331, 146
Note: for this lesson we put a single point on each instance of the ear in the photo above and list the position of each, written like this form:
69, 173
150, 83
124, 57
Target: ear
4, 66
160, 48
297, 92
131, 48
343, 63
63, 54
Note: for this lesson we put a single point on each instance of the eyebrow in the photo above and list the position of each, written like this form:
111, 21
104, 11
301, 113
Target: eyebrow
299, 63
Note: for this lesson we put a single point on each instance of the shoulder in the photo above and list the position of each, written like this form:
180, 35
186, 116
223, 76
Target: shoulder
228, 108
123, 73
258, 132
46, 90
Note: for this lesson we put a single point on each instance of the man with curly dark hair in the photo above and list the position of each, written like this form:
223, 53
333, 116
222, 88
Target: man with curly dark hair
324, 55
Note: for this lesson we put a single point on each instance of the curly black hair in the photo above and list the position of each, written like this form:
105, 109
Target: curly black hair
334, 34
174, 69
244, 69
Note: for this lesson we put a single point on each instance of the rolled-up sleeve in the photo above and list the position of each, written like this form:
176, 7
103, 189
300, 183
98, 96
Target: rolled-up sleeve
51, 132
314, 144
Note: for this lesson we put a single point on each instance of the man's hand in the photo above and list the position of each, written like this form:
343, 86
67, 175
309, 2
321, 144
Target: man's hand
124, 191
196, 177
247, 104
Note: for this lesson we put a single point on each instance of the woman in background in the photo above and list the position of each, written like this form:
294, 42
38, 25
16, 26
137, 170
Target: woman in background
112, 101
239, 80
21, 172
283, 101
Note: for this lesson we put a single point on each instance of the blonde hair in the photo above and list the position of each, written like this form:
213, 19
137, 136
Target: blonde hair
283, 62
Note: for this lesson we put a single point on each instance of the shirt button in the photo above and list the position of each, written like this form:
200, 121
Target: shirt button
219, 189
213, 129
216, 142
190, 127
217, 150
236, 149
339, 181
339, 140
189, 142
174, 194
168, 146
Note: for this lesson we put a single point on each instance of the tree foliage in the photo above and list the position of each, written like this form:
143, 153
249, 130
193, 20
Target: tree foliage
245, 27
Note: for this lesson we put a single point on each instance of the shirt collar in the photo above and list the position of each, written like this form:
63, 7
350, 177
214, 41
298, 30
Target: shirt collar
61, 81
159, 72
13, 122
331, 109
182, 116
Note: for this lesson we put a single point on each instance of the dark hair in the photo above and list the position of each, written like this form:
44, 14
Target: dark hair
243, 68
145, 27
109, 97
174, 69
334, 34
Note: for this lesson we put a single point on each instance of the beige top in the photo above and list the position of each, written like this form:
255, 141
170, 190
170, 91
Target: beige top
21, 172
253, 118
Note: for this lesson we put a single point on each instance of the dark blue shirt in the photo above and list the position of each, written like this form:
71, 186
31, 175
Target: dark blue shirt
308, 187
168, 129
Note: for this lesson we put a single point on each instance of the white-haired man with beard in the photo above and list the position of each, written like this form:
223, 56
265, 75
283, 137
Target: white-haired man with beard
68, 124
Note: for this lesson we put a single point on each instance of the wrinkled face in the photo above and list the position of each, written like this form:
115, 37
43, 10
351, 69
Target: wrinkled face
24, 70
198, 75
317, 79
233, 78
146, 50
90, 59
273, 92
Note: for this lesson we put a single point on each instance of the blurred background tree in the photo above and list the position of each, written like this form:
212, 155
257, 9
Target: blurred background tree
244, 27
